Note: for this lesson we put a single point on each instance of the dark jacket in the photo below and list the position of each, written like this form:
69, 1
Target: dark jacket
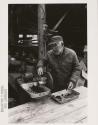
64, 68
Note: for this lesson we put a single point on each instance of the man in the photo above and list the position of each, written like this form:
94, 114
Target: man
64, 65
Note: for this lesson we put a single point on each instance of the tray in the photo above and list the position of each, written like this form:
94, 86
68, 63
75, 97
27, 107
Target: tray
37, 95
61, 96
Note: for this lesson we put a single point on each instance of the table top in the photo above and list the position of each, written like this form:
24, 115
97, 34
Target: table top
47, 110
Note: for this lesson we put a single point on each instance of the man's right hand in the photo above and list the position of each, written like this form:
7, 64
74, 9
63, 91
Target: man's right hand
40, 71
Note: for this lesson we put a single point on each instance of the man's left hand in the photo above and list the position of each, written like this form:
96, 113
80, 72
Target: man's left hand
71, 86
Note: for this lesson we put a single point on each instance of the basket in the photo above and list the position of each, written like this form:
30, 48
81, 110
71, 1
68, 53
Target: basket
37, 95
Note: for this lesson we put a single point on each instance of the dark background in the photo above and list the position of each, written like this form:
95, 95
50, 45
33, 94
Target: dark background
23, 19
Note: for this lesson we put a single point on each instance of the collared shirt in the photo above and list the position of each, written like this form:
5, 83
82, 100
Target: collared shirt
64, 67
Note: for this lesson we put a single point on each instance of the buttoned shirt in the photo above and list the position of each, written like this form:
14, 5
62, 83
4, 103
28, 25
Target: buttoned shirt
64, 67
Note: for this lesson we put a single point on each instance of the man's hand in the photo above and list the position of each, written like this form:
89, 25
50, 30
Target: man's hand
40, 71
71, 86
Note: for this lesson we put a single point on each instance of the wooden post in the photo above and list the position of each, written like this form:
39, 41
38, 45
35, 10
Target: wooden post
41, 23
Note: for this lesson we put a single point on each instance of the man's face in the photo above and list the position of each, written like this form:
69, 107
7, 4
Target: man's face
58, 47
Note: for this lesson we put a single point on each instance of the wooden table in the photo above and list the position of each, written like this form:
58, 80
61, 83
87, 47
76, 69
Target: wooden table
48, 111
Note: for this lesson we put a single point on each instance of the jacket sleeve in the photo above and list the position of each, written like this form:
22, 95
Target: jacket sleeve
42, 62
76, 69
